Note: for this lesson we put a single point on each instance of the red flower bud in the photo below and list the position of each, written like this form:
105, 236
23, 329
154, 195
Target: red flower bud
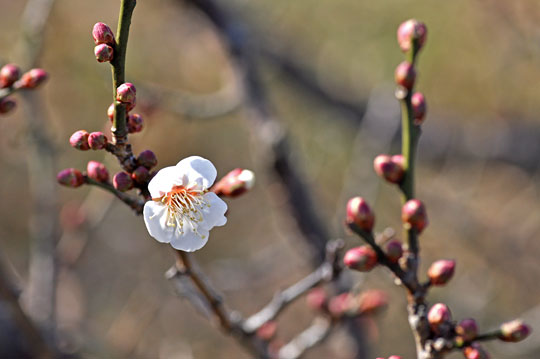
360, 214
438, 315
8, 75
147, 159
441, 271
475, 351
394, 250
409, 32
361, 258
97, 140
405, 75
467, 329
70, 177
79, 140
102, 34
103, 52
235, 183
33, 78
267, 331
122, 181
126, 93
140, 175
514, 331
339, 304
317, 299
394, 357
371, 301
389, 168
414, 216
135, 123
7, 105
418, 103
97, 171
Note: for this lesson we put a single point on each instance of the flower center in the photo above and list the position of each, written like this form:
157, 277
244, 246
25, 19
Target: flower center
184, 203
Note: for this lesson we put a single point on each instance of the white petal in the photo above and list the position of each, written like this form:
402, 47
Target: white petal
190, 241
215, 214
164, 180
155, 218
198, 170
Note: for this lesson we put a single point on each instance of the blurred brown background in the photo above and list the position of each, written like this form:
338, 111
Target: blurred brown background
478, 166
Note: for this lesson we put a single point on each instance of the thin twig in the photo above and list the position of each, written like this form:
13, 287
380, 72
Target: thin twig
135, 203
310, 337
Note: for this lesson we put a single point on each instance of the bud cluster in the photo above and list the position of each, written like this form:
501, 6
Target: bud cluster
105, 42
347, 304
11, 79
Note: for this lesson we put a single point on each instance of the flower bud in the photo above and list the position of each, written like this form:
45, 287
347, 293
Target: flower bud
388, 168
235, 183
371, 301
409, 32
475, 351
135, 123
97, 140
467, 329
33, 78
394, 250
97, 171
418, 103
126, 93
394, 357
79, 140
438, 315
414, 216
441, 271
122, 181
317, 299
147, 159
8, 75
267, 331
7, 105
362, 258
102, 34
514, 331
103, 52
339, 305
70, 177
140, 174
360, 214
405, 75
110, 111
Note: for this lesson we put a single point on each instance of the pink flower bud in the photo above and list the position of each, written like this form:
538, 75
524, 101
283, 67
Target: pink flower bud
33, 78
8, 75
317, 299
388, 168
7, 105
135, 123
405, 75
103, 52
102, 34
441, 271
394, 357
475, 351
371, 301
394, 250
70, 177
235, 183
514, 331
414, 216
438, 315
79, 140
126, 93
467, 329
97, 171
362, 258
418, 103
267, 331
110, 111
360, 214
339, 305
147, 159
140, 174
409, 32
97, 140
122, 181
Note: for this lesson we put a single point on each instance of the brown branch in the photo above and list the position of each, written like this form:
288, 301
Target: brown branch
135, 203
307, 339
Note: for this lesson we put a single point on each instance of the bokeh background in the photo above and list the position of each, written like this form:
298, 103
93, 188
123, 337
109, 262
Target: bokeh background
478, 163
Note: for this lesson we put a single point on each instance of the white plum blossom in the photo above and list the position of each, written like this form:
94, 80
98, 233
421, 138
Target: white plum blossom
182, 210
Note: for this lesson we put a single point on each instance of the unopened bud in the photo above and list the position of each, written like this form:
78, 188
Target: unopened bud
389, 168
70, 177
394, 250
103, 52
441, 271
147, 159
235, 183
140, 174
97, 171
135, 123
122, 181
360, 214
361, 258
110, 111
267, 331
414, 216
371, 301
317, 299
102, 34
438, 315
339, 305
7, 105
79, 140
405, 75
394, 357
33, 78
475, 351
410, 32
418, 103
97, 140
8, 75
126, 93
467, 329
514, 331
